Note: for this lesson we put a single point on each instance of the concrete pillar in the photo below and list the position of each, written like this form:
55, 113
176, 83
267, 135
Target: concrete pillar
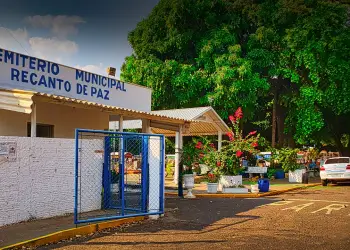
219, 140
33, 121
146, 128
178, 151
121, 123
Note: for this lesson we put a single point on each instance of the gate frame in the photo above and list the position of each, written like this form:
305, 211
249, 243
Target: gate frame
161, 173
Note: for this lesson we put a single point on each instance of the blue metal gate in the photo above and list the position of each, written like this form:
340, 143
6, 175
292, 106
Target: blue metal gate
118, 175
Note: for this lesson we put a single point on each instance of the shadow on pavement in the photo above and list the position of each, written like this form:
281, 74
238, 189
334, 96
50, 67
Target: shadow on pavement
195, 216
153, 242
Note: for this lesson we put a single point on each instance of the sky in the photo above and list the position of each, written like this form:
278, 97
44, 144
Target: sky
91, 35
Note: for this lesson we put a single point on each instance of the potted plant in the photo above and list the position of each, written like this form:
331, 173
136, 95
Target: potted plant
287, 157
188, 178
190, 158
212, 185
233, 150
254, 187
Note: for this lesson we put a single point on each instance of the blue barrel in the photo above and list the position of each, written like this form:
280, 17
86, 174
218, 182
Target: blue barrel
279, 174
264, 185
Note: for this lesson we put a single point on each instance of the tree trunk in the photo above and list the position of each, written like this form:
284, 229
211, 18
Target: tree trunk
291, 142
280, 117
344, 151
273, 139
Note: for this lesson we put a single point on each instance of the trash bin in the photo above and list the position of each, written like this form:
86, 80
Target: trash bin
279, 174
305, 178
264, 185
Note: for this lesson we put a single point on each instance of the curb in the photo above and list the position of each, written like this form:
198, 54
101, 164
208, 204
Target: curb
71, 233
246, 195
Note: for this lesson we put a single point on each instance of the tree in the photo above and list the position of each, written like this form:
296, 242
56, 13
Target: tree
192, 56
229, 53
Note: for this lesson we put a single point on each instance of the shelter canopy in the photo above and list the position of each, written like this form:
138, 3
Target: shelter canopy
202, 121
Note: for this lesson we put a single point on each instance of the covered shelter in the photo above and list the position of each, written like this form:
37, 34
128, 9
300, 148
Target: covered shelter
199, 121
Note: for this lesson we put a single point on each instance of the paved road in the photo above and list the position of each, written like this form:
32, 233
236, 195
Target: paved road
316, 218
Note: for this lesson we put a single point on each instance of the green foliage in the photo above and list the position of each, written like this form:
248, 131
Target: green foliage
271, 172
169, 146
288, 159
115, 176
312, 153
169, 167
245, 53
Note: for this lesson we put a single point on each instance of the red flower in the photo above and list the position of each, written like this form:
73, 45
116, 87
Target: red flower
230, 136
255, 144
218, 164
253, 132
212, 145
239, 113
232, 118
199, 145
201, 155
239, 153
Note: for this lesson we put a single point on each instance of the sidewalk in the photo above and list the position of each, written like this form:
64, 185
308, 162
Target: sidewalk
32, 229
275, 185
15, 233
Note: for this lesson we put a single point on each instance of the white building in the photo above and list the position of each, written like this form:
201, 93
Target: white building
41, 105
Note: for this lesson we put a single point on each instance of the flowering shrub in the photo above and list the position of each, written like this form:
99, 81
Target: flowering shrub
199, 151
191, 155
237, 146
213, 178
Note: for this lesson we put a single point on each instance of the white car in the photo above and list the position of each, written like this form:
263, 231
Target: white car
335, 169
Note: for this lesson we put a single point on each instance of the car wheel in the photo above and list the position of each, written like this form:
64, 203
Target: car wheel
324, 182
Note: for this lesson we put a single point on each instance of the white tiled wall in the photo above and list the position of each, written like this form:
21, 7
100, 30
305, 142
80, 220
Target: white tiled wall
40, 183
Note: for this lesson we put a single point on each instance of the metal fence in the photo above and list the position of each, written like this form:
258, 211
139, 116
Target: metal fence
118, 175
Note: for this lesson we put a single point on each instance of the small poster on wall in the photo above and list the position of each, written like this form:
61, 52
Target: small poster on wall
8, 151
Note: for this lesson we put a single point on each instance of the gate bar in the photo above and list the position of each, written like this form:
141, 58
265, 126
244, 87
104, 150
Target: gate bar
76, 170
117, 217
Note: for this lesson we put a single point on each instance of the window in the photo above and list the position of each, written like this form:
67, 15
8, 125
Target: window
42, 130
337, 160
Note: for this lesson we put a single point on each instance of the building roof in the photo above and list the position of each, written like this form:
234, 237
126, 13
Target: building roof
186, 113
204, 121
197, 121
21, 101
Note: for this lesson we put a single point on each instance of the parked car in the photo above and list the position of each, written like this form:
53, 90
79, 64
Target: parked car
336, 169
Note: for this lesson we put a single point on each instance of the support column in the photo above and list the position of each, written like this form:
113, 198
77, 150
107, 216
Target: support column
146, 128
33, 121
219, 140
121, 123
178, 151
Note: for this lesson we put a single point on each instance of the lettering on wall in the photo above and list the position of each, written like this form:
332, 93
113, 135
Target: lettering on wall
24, 72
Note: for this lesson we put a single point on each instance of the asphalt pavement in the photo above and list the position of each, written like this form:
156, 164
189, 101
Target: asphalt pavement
315, 218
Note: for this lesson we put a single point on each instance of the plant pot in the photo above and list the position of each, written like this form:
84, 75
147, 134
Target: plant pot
229, 181
296, 176
189, 184
212, 188
254, 188
233, 190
